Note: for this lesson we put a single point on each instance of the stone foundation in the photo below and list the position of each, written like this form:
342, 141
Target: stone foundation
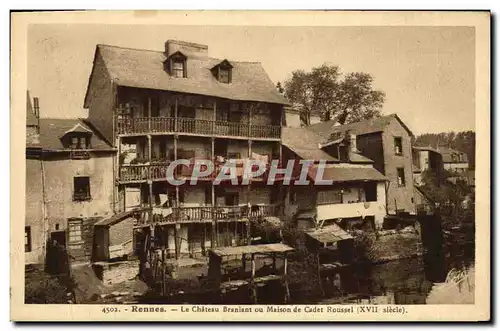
111, 273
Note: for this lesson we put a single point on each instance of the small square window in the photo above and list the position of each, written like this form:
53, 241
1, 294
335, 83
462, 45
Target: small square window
27, 239
401, 177
398, 145
81, 187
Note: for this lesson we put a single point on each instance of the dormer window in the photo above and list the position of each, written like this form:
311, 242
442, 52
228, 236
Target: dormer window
177, 65
79, 141
223, 72
78, 137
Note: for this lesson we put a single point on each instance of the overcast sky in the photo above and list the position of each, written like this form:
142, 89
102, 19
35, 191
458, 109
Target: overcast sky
427, 73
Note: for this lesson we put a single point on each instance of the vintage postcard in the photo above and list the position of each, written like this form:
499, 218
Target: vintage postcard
250, 166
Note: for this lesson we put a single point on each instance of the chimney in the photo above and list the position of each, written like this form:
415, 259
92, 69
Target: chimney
186, 48
36, 107
352, 142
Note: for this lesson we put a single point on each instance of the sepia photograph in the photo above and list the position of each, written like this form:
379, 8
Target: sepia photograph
253, 169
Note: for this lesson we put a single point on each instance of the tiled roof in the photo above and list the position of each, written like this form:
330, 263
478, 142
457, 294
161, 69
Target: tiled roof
378, 124
304, 143
116, 218
329, 234
145, 69
253, 249
51, 131
448, 154
348, 174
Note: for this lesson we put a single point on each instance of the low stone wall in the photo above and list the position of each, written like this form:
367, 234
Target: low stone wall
111, 273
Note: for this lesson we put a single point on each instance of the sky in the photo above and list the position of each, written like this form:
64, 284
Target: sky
427, 73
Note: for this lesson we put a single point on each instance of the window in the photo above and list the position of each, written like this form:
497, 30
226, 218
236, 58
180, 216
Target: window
27, 239
224, 75
401, 177
178, 68
79, 142
398, 145
371, 192
81, 186
75, 231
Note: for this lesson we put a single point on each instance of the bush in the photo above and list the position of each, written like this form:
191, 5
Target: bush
44, 288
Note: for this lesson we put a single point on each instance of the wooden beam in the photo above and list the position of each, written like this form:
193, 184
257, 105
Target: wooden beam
177, 241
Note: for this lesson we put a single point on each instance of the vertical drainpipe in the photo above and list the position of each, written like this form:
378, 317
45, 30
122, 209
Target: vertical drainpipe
116, 142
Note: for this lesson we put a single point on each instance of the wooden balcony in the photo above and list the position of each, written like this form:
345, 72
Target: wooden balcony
220, 214
134, 173
193, 126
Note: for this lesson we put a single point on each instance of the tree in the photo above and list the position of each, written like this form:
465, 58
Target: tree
326, 92
280, 88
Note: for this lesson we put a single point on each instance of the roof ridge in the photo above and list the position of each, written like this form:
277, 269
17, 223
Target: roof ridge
162, 52
131, 48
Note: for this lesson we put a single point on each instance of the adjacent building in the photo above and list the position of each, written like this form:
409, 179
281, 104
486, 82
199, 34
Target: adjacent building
425, 158
156, 107
68, 180
386, 141
357, 196
454, 161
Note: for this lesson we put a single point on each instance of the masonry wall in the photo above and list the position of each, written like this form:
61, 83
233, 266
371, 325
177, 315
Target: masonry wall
399, 197
371, 146
101, 99
34, 215
59, 176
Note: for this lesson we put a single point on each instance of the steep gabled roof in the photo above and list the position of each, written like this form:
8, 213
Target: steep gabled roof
341, 174
145, 69
305, 144
52, 130
378, 124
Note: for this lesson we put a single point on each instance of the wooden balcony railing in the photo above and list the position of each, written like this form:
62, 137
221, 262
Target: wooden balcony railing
220, 213
140, 172
144, 125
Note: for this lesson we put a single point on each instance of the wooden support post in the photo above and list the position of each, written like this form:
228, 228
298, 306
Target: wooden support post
150, 200
163, 272
176, 125
274, 261
252, 284
319, 275
285, 278
214, 119
213, 237
150, 147
244, 262
149, 115
177, 241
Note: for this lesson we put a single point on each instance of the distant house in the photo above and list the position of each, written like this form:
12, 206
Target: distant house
454, 161
387, 141
425, 158
357, 197
69, 176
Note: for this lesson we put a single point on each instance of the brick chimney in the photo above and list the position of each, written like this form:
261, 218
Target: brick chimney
351, 140
186, 48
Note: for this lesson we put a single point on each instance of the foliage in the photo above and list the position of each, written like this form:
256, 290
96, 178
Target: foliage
440, 190
280, 88
325, 90
362, 244
464, 141
44, 288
